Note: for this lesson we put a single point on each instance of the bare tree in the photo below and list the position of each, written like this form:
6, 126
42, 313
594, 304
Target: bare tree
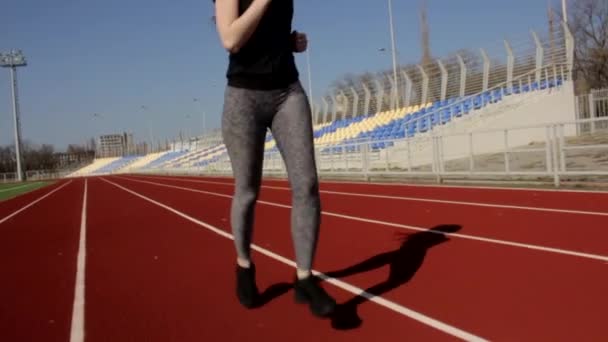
588, 21
44, 157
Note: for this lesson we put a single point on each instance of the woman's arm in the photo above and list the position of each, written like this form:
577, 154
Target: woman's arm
234, 31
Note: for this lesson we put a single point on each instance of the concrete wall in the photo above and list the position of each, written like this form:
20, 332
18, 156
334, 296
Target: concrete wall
488, 126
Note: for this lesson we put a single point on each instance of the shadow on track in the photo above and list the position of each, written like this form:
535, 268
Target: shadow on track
403, 262
272, 292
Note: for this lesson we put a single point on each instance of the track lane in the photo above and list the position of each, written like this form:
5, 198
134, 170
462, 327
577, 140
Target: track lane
497, 292
556, 199
579, 233
154, 276
38, 261
13, 204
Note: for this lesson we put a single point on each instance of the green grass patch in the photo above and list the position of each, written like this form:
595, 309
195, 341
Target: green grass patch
12, 190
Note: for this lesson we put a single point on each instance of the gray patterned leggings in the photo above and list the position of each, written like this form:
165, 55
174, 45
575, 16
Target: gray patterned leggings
246, 116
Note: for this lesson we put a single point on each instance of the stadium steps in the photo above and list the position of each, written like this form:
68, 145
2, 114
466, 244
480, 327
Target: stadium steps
199, 155
204, 160
388, 125
183, 158
427, 118
96, 164
139, 163
166, 157
115, 165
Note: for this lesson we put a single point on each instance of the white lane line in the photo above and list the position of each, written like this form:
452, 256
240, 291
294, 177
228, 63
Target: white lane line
401, 226
422, 185
33, 202
77, 328
475, 187
416, 199
444, 327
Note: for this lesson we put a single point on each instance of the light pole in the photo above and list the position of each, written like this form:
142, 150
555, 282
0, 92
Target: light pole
12, 60
188, 132
204, 120
393, 50
98, 148
145, 109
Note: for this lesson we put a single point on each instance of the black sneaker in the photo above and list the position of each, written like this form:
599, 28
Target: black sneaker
309, 291
246, 289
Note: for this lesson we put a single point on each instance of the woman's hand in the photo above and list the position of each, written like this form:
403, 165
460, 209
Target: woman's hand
300, 42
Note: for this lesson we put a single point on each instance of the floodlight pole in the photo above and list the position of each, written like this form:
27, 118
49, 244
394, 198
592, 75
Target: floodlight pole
12, 60
393, 51
145, 109
204, 120
17, 124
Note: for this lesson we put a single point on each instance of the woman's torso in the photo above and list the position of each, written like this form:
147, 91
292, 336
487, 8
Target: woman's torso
266, 61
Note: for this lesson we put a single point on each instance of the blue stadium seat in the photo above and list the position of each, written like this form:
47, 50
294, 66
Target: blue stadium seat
116, 165
421, 121
165, 158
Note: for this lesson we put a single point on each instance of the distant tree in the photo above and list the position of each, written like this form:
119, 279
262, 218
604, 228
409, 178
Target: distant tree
588, 22
75, 149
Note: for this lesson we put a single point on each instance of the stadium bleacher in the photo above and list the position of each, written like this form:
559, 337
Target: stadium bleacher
439, 101
340, 135
407, 123
167, 157
115, 165
96, 164
140, 162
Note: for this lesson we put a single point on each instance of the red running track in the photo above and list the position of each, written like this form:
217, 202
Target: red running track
546, 228
37, 260
153, 244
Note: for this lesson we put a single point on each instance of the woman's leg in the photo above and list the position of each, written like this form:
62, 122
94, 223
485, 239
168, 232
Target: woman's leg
243, 133
292, 130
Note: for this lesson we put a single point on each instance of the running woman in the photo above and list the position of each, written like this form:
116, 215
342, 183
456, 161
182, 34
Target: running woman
264, 92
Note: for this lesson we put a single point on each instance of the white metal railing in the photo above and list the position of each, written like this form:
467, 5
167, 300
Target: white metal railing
550, 76
8, 177
454, 75
592, 105
34, 175
551, 151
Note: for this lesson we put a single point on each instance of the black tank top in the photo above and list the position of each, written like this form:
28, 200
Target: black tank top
266, 61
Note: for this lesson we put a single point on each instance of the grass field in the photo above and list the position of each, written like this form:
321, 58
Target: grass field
11, 190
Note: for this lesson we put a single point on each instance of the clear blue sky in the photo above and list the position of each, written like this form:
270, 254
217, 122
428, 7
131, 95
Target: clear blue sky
111, 57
